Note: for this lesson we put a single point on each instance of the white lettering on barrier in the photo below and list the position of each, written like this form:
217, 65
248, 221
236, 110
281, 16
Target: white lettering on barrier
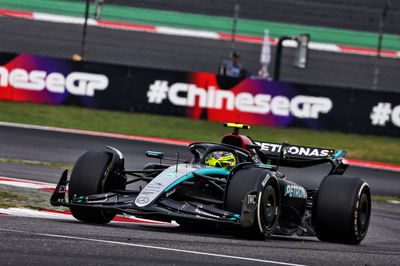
382, 113
309, 106
55, 82
183, 94
396, 116
76, 83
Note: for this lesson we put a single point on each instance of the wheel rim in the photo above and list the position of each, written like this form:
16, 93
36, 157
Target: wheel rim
364, 211
269, 208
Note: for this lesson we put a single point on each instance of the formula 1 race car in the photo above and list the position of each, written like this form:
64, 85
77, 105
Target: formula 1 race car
235, 184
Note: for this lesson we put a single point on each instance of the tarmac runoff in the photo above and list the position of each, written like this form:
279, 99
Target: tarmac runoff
364, 164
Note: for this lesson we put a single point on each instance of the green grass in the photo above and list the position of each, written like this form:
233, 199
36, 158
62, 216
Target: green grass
10, 199
35, 163
17, 197
385, 198
373, 148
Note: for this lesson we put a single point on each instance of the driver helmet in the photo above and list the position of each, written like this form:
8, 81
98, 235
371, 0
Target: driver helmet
222, 159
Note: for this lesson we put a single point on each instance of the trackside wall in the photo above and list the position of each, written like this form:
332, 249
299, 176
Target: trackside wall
197, 95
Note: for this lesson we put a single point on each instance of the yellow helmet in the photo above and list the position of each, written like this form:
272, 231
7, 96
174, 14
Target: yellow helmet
222, 159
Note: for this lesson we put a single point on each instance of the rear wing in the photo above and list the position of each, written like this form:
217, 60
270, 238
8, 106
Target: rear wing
300, 156
290, 151
287, 154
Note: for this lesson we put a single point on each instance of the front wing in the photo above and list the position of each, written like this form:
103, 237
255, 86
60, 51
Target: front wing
163, 208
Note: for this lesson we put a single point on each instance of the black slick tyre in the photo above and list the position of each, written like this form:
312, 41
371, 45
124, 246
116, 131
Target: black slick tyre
90, 175
342, 209
267, 205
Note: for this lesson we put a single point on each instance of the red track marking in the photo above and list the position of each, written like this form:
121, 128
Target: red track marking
377, 165
57, 212
20, 181
68, 215
242, 38
47, 189
117, 218
360, 50
14, 13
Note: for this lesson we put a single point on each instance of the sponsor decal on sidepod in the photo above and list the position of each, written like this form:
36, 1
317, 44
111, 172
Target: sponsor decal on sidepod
294, 191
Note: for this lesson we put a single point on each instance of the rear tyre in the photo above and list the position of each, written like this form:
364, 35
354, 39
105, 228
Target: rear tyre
267, 205
91, 175
342, 209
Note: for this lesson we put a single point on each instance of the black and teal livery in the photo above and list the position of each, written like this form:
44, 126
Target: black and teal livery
252, 198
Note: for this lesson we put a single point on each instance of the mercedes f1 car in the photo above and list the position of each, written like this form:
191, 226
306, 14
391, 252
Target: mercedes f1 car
236, 184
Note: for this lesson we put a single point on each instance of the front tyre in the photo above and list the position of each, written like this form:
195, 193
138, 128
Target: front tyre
92, 174
267, 204
342, 209
268, 207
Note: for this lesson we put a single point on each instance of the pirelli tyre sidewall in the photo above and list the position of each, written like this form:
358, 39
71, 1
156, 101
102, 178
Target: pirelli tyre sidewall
267, 204
91, 175
342, 209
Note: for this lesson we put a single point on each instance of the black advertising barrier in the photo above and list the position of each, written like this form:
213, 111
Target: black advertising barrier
197, 95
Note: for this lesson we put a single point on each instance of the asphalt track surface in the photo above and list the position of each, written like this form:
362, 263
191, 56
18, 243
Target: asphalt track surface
65, 148
30, 241
36, 241
187, 53
47, 242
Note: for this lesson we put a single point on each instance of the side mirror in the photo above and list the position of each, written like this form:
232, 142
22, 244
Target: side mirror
155, 154
253, 146
300, 59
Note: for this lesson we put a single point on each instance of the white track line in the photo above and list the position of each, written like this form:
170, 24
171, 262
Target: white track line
188, 32
23, 212
152, 247
17, 182
49, 214
62, 19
